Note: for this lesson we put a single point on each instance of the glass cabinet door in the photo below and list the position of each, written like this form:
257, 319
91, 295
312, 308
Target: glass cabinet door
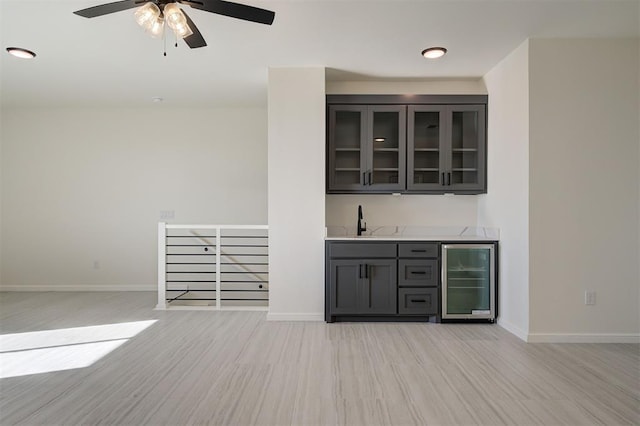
446, 148
426, 161
467, 153
386, 148
468, 281
347, 133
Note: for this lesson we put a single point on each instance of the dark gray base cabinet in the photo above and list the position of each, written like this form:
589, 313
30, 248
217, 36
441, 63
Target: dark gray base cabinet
365, 286
382, 281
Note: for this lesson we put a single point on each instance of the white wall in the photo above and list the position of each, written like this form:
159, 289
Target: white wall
82, 188
1, 174
584, 189
506, 204
460, 86
414, 209
296, 154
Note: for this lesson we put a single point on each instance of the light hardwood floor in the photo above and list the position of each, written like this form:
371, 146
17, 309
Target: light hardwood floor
236, 368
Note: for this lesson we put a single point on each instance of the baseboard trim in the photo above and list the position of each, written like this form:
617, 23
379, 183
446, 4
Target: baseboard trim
149, 287
164, 307
583, 338
294, 317
516, 331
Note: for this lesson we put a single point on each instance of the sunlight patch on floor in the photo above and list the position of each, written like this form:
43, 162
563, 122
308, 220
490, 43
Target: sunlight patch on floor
63, 349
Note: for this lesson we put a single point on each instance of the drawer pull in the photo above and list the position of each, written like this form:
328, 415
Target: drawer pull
418, 251
418, 272
418, 301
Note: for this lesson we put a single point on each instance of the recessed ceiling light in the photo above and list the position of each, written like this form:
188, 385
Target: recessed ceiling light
19, 52
434, 52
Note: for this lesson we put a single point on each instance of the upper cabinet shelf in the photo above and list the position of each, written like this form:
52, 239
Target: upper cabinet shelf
429, 144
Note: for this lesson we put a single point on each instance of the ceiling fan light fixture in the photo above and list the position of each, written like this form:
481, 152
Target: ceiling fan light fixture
147, 15
173, 15
434, 52
150, 15
182, 31
157, 28
176, 20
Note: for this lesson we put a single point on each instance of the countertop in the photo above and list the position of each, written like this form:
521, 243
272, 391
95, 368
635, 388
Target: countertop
413, 233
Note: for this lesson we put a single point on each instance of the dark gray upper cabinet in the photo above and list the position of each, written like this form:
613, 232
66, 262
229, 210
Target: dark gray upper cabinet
430, 144
366, 148
446, 148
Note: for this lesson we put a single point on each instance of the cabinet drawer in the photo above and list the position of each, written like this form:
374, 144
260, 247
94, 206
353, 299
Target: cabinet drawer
418, 250
362, 250
418, 301
418, 272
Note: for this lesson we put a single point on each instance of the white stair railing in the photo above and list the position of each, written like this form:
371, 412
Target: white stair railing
213, 267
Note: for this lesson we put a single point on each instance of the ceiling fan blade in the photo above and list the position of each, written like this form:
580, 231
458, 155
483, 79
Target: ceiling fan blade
104, 9
234, 10
194, 40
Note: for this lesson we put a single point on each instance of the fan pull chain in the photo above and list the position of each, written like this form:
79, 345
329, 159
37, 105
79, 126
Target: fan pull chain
164, 42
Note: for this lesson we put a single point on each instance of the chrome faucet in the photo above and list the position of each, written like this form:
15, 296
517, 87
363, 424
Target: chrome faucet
360, 227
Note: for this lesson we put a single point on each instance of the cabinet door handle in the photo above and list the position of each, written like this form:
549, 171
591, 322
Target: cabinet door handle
418, 272
370, 180
448, 178
366, 271
364, 178
360, 270
442, 181
418, 301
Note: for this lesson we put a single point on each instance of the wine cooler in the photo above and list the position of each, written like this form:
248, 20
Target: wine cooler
469, 281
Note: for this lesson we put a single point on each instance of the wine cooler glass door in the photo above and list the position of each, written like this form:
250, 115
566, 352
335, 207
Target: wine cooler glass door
468, 281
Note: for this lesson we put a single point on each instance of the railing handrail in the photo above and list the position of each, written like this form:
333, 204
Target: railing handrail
196, 226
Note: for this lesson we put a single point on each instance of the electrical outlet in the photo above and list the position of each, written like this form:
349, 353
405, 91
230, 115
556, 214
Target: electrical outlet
589, 297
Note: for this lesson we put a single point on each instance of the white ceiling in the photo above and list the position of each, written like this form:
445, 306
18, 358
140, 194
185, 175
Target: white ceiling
110, 61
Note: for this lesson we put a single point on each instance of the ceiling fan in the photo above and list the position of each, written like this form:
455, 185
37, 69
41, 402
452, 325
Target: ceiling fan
153, 14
